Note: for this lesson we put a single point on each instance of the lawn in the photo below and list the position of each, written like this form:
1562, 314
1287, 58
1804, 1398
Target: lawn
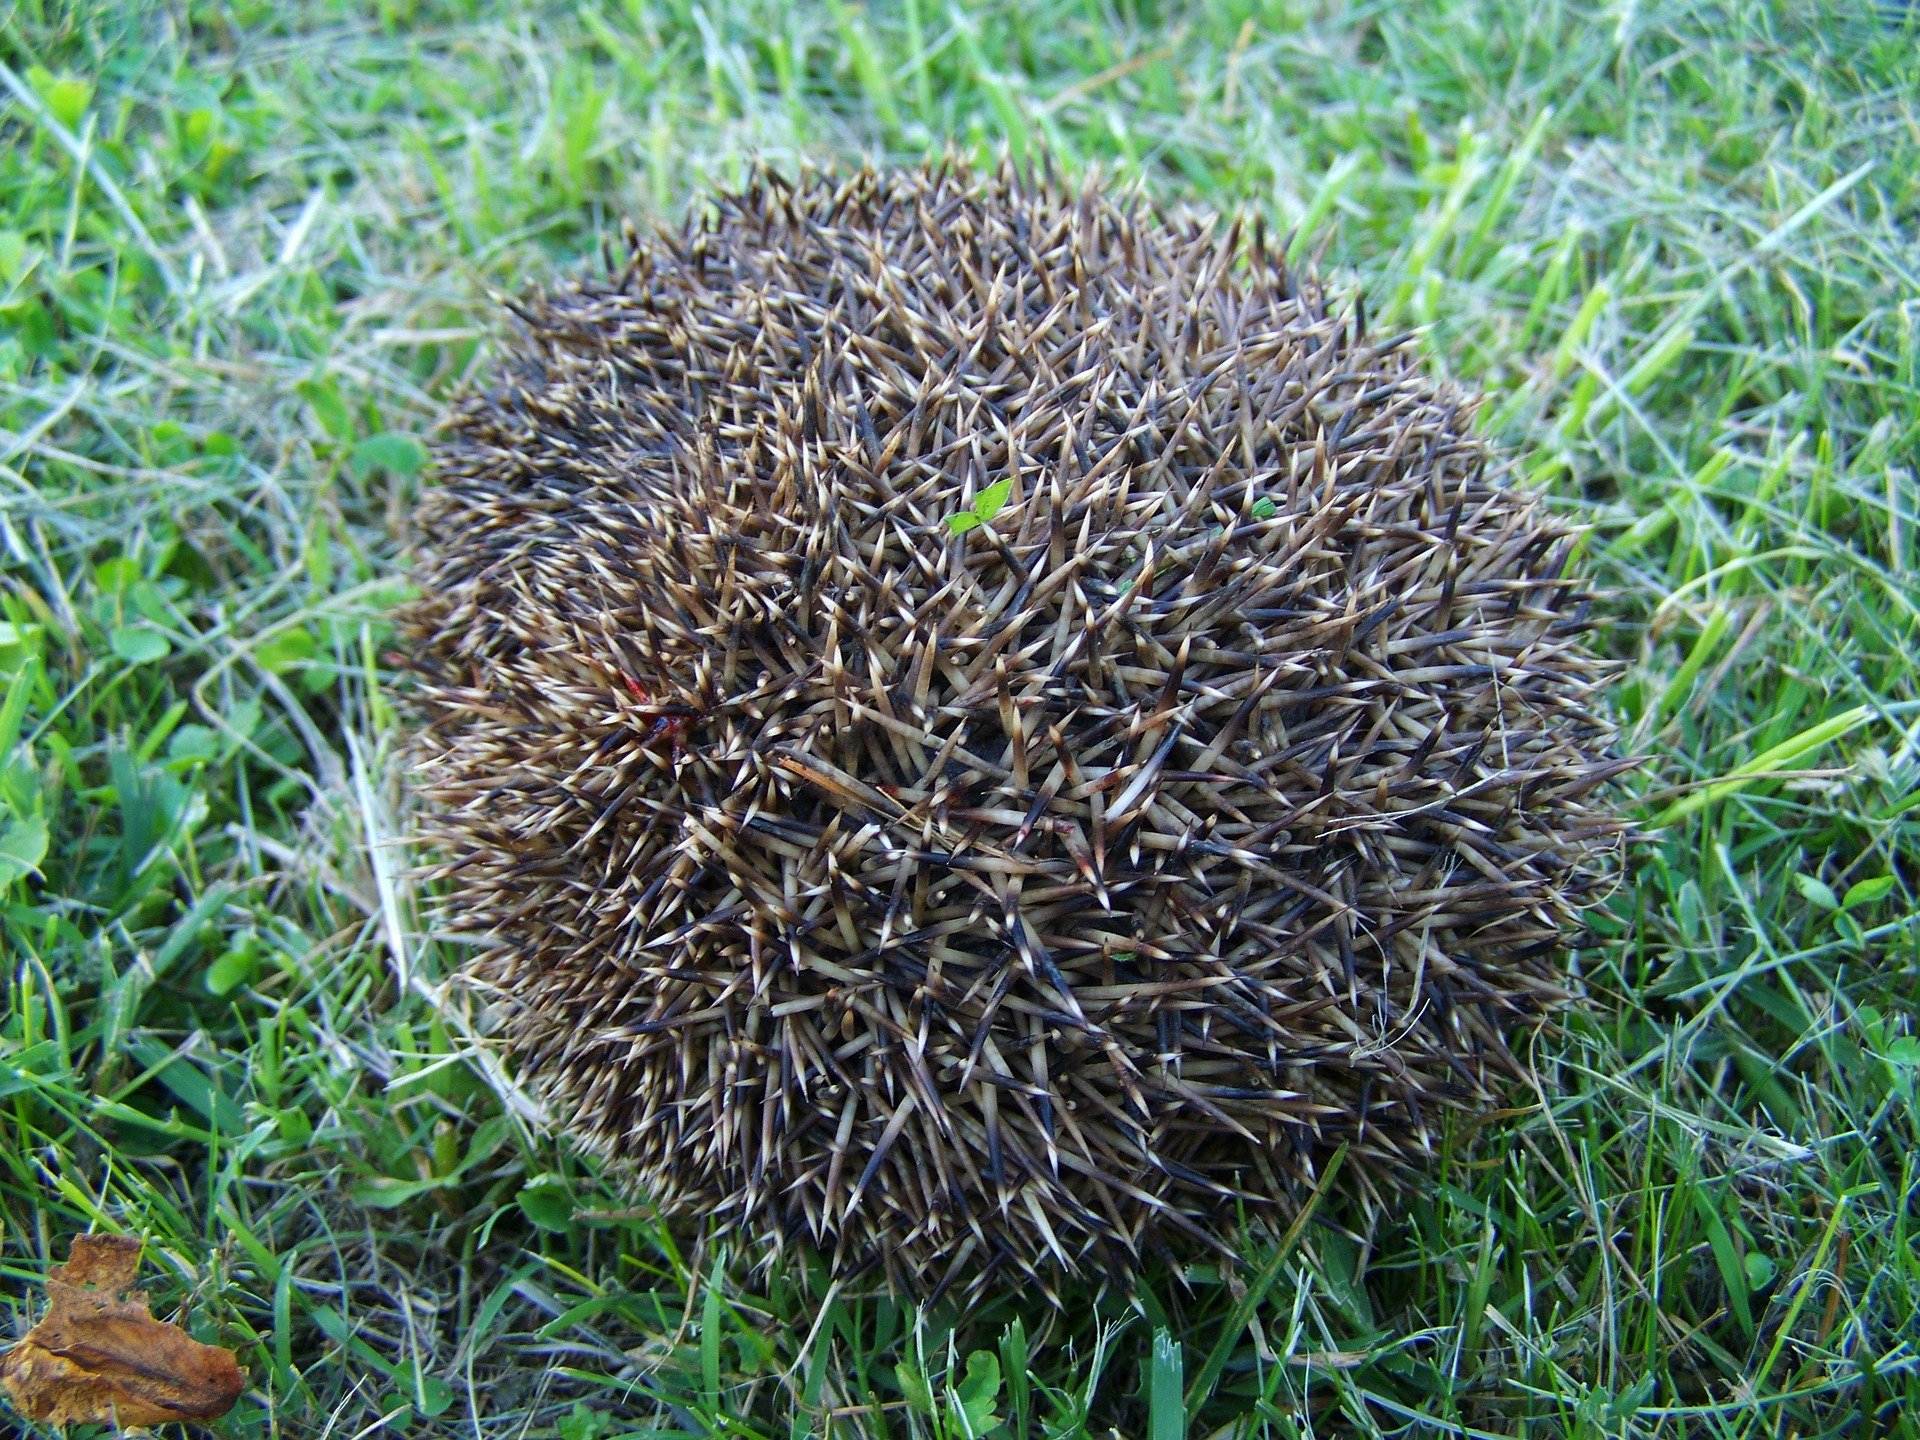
248, 250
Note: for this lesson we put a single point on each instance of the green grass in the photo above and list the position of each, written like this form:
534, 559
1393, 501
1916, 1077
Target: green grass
246, 251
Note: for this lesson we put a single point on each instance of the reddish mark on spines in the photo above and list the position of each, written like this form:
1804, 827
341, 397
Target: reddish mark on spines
672, 728
664, 727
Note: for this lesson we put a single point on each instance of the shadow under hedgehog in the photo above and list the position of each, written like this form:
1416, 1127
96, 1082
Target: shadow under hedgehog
990, 727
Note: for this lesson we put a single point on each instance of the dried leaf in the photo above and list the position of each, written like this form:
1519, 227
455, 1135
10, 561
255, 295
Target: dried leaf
99, 1356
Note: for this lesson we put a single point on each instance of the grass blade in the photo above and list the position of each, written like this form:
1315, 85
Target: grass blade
1244, 1309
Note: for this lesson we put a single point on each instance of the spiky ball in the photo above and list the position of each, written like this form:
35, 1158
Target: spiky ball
985, 724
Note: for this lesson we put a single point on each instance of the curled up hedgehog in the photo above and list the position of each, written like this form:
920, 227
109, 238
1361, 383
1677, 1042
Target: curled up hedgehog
991, 729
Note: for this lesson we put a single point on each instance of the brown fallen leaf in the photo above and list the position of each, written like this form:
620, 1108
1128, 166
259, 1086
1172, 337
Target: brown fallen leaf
99, 1356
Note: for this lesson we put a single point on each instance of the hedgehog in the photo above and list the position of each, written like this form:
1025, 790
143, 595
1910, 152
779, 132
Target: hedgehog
988, 727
